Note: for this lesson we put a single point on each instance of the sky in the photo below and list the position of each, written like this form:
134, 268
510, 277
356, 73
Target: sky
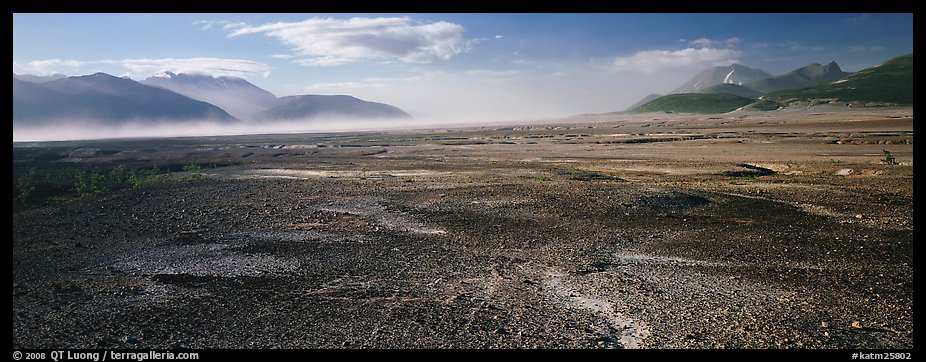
461, 67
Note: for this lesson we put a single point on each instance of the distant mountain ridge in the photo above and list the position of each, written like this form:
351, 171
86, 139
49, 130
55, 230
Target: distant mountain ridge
889, 83
732, 74
105, 99
806, 76
38, 78
236, 96
251, 103
309, 106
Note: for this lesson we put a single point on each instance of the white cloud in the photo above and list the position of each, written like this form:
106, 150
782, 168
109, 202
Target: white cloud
469, 44
211, 66
329, 42
709, 43
499, 36
324, 61
702, 42
224, 24
46, 66
649, 61
146, 67
281, 56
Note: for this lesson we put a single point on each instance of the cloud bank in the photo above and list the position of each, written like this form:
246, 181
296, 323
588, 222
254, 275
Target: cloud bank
650, 61
46, 67
331, 42
143, 67
707, 43
212, 66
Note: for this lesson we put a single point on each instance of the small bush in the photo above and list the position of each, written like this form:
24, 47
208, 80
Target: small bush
118, 175
888, 158
86, 183
194, 170
144, 178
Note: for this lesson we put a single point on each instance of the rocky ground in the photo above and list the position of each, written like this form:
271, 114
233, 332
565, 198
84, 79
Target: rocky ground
766, 230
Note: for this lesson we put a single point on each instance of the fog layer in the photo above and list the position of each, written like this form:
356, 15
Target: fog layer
63, 130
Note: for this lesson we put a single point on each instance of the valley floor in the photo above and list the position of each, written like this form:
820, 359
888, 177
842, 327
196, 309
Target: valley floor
752, 230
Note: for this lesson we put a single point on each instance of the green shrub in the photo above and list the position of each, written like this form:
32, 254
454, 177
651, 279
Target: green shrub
118, 175
86, 183
194, 170
25, 185
144, 178
888, 158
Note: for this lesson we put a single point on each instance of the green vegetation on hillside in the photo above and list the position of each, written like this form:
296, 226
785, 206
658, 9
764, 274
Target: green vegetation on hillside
764, 105
891, 82
695, 103
733, 89
645, 100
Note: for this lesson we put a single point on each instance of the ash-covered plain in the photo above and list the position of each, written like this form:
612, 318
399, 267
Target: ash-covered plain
746, 230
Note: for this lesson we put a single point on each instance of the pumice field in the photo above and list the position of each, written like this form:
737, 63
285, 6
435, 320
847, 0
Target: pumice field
740, 230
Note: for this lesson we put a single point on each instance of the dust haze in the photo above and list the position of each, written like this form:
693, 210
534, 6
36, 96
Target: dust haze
81, 129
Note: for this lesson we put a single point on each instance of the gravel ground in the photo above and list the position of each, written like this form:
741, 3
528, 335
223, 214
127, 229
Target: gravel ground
438, 243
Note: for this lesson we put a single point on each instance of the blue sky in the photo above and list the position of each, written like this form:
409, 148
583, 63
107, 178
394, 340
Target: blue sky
462, 66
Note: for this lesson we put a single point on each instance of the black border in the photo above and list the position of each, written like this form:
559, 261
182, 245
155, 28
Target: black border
470, 6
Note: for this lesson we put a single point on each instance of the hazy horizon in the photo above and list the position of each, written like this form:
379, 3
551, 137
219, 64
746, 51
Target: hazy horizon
80, 130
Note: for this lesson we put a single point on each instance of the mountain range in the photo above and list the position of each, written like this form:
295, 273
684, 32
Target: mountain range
107, 99
888, 83
38, 78
732, 74
236, 96
806, 76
